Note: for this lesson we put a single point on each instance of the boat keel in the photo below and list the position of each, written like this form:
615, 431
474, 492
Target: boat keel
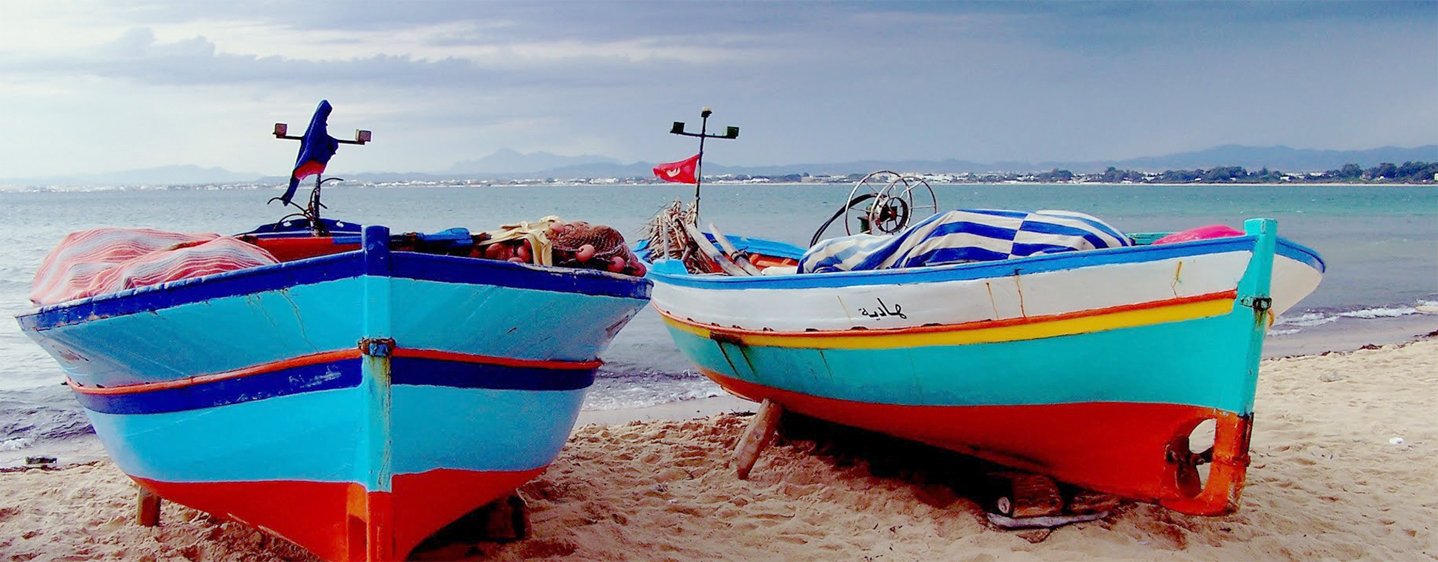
343, 522
1139, 451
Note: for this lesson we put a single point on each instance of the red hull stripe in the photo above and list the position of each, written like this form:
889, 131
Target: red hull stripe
341, 521
1118, 448
291, 248
977, 325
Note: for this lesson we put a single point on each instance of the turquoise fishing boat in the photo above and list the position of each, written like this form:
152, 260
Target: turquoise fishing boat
355, 396
1128, 369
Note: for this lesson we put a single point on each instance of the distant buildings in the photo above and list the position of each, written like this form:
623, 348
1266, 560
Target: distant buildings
1407, 173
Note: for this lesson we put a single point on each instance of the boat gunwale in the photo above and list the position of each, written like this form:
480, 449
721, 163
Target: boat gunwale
673, 275
333, 267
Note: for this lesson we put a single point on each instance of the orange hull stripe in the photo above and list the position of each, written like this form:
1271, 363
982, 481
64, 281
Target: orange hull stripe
324, 357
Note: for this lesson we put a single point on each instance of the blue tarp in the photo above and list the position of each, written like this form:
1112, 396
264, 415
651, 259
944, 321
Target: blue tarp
962, 236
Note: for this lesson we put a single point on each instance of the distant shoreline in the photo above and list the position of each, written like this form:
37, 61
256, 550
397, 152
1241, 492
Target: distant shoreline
1387, 173
359, 184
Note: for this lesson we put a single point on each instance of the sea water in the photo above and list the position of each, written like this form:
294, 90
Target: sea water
1380, 244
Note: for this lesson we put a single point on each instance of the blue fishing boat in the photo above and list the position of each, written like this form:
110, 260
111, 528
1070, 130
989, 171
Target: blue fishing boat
353, 398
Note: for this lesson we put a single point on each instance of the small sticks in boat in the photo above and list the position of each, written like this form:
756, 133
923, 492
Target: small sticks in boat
669, 239
673, 234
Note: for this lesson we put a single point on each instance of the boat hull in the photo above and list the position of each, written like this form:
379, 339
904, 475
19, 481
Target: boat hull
353, 403
1093, 367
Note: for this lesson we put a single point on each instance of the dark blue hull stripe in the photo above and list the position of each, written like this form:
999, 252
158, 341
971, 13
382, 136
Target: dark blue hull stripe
435, 372
332, 376
285, 382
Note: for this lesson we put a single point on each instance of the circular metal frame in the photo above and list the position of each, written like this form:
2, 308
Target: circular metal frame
893, 205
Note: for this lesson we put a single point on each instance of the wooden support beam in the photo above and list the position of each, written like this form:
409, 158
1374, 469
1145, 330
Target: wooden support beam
503, 520
148, 508
757, 437
1089, 501
508, 520
1023, 494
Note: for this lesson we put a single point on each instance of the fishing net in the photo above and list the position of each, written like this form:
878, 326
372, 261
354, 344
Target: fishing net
105, 260
554, 241
593, 246
568, 240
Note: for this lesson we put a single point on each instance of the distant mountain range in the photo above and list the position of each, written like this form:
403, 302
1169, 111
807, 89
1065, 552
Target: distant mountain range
509, 164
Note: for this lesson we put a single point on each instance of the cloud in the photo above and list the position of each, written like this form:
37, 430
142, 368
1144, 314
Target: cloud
440, 56
444, 81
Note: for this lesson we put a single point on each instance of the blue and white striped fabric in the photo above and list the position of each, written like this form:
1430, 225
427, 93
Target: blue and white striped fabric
965, 236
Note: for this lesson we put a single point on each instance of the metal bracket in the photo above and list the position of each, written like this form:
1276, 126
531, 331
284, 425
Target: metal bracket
377, 347
726, 338
361, 136
1261, 304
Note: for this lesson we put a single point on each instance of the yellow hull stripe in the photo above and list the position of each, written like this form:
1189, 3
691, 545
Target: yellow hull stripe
965, 334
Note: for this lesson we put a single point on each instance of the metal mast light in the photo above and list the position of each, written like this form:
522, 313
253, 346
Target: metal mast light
678, 129
312, 211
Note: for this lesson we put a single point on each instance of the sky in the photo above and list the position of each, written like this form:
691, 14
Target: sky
91, 86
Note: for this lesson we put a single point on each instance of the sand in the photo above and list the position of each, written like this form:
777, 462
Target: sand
1345, 467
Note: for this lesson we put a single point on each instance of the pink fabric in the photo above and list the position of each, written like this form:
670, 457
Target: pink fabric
1200, 233
106, 260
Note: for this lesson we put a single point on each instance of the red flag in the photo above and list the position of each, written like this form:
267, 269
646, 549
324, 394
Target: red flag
678, 172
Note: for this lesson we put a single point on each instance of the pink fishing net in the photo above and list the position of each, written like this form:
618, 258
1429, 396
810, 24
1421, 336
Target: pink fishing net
106, 260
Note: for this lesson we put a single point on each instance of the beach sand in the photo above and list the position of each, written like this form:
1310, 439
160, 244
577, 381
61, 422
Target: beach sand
1345, 467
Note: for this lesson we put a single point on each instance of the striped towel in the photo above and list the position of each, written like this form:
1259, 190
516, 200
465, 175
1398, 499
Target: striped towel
965, 236
106, 260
